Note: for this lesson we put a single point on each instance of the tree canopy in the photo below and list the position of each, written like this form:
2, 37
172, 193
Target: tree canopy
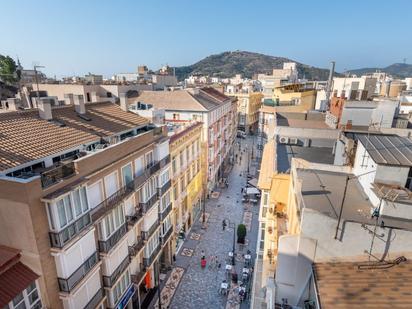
8, 70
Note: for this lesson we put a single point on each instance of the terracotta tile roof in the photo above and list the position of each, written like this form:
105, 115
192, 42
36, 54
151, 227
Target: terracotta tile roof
7, 254
204, 99
344, 285
13, 281
25, 137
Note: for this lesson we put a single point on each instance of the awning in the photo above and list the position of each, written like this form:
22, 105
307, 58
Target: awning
253, 182
13, 281
252, 190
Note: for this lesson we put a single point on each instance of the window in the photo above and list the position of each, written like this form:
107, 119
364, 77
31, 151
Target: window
262, 236
121, 286
187, 154
182, 184
113, 221
175, 191
29, 298
182, 158
149, 159
176, 116
165, 177
127, 174
174, 169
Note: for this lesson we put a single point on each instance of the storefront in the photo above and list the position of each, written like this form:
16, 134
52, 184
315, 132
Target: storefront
126, 300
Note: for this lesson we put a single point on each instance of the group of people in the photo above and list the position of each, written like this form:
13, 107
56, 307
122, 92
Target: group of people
213, 261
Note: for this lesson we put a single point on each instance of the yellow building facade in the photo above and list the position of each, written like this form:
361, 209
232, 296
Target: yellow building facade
248, 105
187, 179
298, 99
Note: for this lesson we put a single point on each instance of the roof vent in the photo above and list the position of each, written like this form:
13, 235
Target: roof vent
79, 105
45, 110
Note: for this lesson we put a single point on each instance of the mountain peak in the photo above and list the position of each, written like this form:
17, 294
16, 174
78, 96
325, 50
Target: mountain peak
229, 63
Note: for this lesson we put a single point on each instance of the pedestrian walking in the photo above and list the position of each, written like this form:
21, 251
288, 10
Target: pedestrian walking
223, 225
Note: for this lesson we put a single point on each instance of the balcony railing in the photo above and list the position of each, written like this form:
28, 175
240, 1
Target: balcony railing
109, 281
117, 197
156, 166
106, 245
145, 206
132, 220
56, 174
67, 285
96, 299
148, 261
165, 212
165, 187
137, 278
59, 239
147, 234
138, 245
167, 235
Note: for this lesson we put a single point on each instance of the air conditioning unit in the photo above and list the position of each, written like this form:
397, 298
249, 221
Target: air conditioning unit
283, 140
293, 141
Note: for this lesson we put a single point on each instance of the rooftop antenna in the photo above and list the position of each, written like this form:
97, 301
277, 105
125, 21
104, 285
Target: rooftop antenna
330, 80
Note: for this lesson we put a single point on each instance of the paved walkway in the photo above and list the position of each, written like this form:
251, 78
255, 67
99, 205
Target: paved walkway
198, 288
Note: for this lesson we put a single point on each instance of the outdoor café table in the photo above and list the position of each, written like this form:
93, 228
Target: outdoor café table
224, 285
245, 270
228, 267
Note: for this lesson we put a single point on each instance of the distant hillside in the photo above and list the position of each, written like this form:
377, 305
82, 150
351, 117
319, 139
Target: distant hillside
400, 70
227, 64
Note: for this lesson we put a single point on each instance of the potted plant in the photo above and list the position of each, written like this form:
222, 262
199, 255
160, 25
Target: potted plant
241, 233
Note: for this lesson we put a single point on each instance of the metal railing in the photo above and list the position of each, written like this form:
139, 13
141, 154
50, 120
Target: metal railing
96, 299
59, 239
137, 278
145, 206
167, 235
132, 220
137, 246
108, 281
162, 190
67, 285
106, 245
165, 212
148, 261
56, 174
147, 234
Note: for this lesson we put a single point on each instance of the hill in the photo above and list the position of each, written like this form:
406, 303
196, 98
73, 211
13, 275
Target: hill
400, 70
227, 64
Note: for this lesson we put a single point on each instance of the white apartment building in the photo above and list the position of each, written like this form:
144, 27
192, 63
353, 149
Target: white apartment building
216, 111
354, 88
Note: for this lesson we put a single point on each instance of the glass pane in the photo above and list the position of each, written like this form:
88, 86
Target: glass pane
84, 199
31, 287
107, 226
116, 218
77, 202
62, 213
18, 299
68, 206
127, 174
33, 297
22, 305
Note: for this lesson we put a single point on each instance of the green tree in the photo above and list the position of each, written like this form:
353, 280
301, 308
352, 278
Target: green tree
8, 69
241, 233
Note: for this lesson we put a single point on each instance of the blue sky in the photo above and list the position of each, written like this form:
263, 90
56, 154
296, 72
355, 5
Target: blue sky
76, 37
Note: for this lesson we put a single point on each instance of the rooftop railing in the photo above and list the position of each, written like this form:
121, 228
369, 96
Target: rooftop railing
57, 174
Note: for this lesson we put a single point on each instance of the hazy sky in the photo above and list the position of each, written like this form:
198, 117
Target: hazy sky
105, 37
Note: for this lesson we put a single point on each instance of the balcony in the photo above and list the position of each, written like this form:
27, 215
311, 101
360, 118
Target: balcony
67, 285
56, 174
96, 299
116, 198
137, 246
106, 245
145, 206
165, 212
147, 234
59, 239
138, 277
148, 261
167, 235
109, 281
164, 188
132, 220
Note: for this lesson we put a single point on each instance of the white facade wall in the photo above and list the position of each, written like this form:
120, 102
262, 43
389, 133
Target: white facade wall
150, 217
113, 260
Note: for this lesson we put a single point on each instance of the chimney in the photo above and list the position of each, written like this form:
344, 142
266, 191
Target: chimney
45, 110
94, 96
79, 105
68, 99
123, 102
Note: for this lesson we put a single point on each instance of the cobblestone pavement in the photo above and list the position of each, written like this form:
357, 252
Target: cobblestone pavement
199, 287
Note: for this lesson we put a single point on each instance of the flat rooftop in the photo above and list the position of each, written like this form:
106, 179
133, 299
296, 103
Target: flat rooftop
322, 191
285, 153
355, 285
301, 123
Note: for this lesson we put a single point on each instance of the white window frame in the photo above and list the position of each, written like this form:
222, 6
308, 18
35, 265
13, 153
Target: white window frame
25, 299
